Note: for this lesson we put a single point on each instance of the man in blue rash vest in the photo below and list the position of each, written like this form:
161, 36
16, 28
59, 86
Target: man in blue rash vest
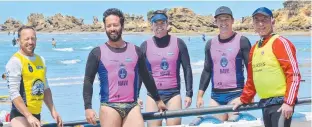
225, 57
164, 55
118, 64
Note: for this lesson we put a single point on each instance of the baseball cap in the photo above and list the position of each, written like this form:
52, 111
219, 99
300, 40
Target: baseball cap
223, 10
263, 10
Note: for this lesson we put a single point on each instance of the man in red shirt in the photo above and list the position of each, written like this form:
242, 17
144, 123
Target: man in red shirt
273, 73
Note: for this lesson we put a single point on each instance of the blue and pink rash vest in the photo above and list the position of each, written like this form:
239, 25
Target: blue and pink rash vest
164, 57
163, 63
118, 74
169, 53
118, 70
224, 63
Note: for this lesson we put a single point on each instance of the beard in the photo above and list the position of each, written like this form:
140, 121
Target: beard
114, 37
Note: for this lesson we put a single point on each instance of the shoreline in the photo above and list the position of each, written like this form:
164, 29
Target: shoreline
286, 33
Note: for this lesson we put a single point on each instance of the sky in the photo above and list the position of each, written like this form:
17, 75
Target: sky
86, 9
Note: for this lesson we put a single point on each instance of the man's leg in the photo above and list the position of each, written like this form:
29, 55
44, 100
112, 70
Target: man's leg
134, 118
151, 106
174, 104
20, 122
18, 119
233, 115
109, 117
266, 117
222, 117
277, 119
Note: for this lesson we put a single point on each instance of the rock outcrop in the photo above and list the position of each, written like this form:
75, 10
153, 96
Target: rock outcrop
185, 20
295, 16
58, 22
134, 23
11, 25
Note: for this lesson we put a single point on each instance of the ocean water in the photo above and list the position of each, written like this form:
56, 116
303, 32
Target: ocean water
66, 67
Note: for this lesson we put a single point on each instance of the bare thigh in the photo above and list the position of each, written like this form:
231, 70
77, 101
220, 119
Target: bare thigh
223, 116
232, 115
20, 122
109, 117
174, 103
134, 118
151, 106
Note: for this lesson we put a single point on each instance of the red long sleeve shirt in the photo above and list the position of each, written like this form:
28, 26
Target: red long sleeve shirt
285, 53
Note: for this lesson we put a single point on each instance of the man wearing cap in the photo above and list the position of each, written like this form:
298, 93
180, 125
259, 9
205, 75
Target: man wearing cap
225, 57
272, 73
164, 55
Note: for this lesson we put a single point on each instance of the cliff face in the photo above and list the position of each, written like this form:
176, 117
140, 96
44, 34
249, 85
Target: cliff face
11, 24
58, 22
185, 20
134, 23
295, 16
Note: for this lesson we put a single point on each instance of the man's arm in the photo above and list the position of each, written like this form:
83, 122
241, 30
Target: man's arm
47, 91
147, 78
14, 71
285, 53
245, 49
249, 90
206, 74
187, 70
48, 100
20, 105
90, 72
143, 50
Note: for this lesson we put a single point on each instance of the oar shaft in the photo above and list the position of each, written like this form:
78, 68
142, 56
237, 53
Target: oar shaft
207, 110
189, 112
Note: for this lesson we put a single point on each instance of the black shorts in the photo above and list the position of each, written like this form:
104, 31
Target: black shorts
15, 113
166, 95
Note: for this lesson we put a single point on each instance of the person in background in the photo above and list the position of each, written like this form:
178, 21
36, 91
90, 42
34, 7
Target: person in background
14, 41
53, 43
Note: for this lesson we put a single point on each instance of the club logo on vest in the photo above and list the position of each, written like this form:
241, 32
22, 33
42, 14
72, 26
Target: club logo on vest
30, 68
122, 73
37, 88
224, 61
170, 53
164, 64
128, 60
156, 54
114, 60
39, 67
230, 49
